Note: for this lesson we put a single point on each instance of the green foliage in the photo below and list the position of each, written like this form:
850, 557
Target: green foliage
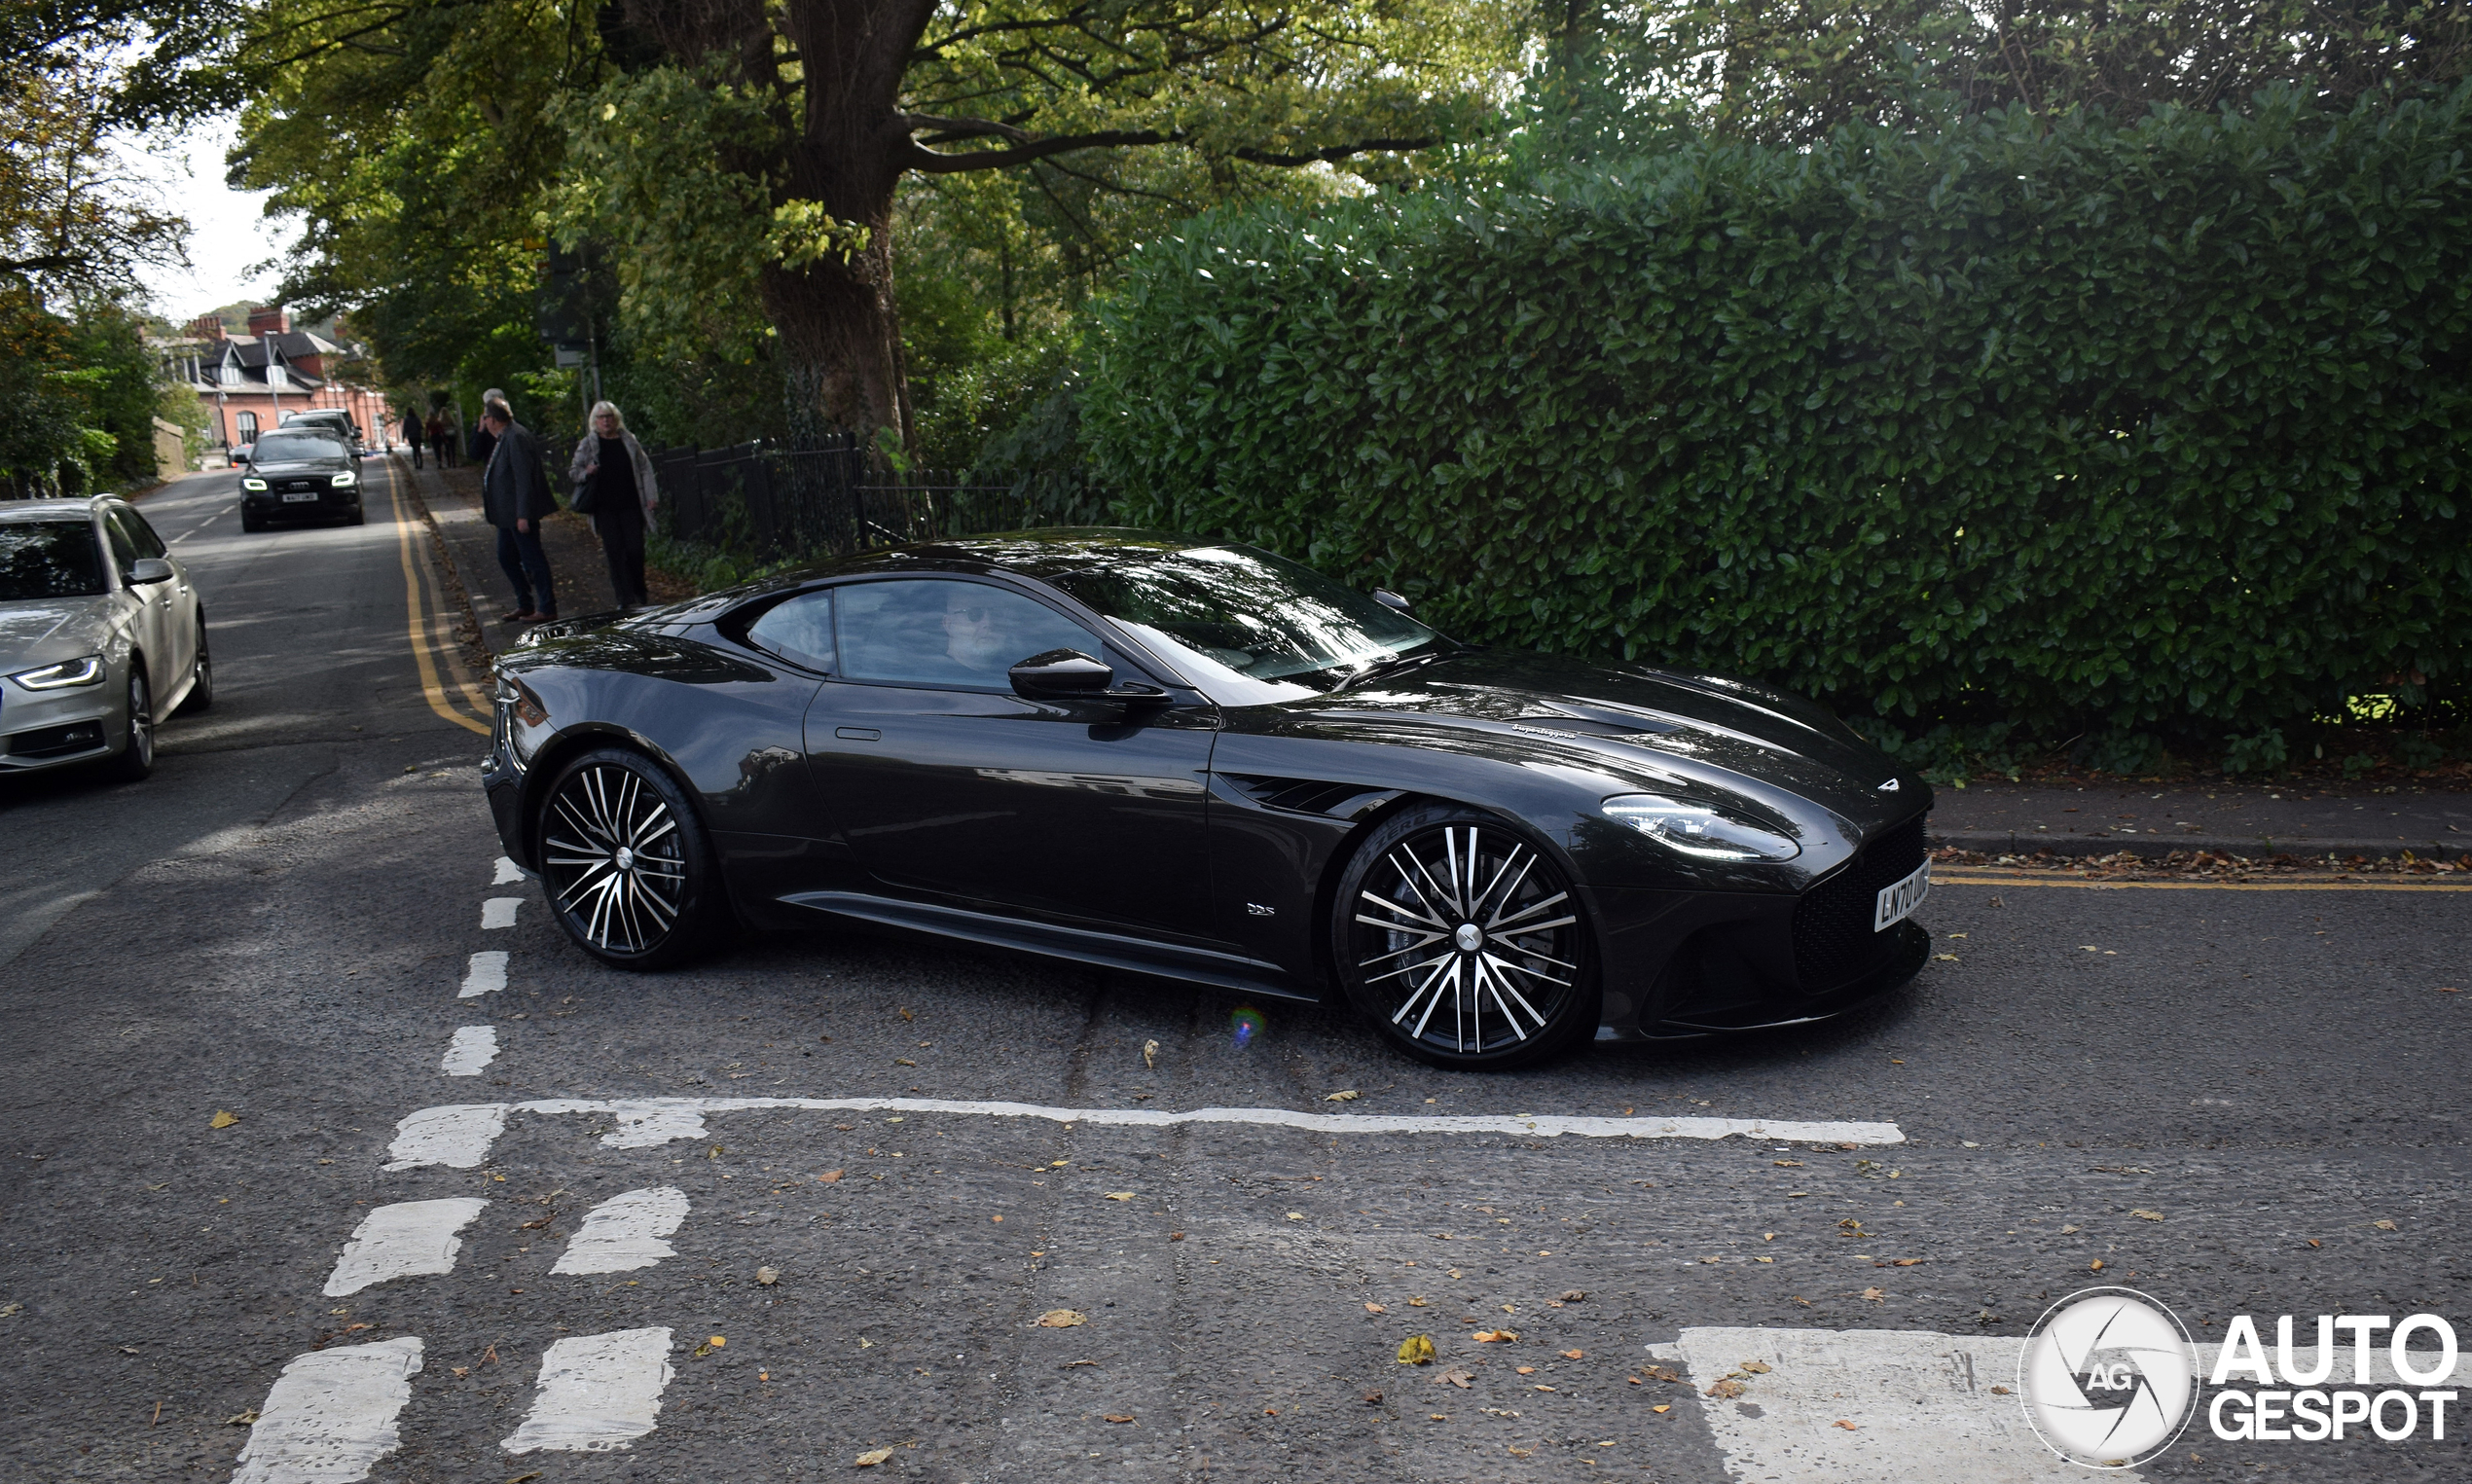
2125, 752
2081, 425
2264, 752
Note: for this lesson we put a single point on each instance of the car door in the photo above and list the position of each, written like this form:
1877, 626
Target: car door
175, 603
145, 611
944, 782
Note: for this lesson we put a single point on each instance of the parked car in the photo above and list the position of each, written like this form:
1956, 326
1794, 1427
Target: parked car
101, 637
1197, 759
330, 416
299, 473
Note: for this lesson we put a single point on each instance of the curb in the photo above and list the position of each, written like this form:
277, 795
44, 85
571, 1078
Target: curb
2253, 846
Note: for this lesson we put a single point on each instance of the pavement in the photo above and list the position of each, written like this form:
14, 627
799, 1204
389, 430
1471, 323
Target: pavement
2255, 821
452, 499
331, 1159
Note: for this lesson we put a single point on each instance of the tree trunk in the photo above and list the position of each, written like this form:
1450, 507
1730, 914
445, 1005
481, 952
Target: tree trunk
841, 340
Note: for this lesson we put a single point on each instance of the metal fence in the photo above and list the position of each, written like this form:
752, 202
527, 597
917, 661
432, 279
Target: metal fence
813, 502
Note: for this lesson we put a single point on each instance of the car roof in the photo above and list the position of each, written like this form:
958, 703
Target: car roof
52, 510
1040, 554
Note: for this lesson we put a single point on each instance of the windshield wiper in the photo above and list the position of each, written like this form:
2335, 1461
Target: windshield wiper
1389, 666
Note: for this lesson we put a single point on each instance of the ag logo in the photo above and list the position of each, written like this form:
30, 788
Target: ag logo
2108, 1377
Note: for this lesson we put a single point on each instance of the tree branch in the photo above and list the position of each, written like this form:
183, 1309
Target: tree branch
1333, 154
931, 162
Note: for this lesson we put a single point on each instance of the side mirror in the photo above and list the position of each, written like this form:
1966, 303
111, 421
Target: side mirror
1061, 674
1390, 599
148, 569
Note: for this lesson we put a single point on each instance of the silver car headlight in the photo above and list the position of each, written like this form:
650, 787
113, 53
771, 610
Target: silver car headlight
345, 480
252, 482
1698, 830
88, 671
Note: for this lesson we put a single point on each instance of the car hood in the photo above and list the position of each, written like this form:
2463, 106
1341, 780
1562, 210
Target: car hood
1662, 730
46, 631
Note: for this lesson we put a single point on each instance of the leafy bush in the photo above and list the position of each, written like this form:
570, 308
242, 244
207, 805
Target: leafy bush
2161, 427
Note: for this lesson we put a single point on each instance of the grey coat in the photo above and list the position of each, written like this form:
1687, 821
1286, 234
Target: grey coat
512, 488
590, 449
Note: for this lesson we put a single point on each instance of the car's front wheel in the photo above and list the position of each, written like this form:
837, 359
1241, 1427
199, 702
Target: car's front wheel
1463, 943
630, 872
136, 758
201, 678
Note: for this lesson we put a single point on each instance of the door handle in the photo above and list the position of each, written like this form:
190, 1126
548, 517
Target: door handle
857, 734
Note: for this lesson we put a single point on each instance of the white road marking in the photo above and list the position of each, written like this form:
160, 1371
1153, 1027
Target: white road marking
1920, 1403
456, 1134
487, 975
508, 872
598, 1392
473, 1048
331, 1415
624, 1232
405, 1240
648, 1122
500, 911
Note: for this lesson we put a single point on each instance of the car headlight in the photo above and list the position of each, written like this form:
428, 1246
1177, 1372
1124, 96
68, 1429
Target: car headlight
345, 480
88, 671
1698, 830
253, 483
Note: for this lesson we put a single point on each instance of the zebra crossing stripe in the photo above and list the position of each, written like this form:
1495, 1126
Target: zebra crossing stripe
331, 1415
598, 1392
507, 872
624, 1232
405, 1240
472, 1050
486, 975
456, 1135
499, 912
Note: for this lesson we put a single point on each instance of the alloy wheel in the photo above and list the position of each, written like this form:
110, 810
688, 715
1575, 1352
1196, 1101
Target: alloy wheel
1465, 940
615, 860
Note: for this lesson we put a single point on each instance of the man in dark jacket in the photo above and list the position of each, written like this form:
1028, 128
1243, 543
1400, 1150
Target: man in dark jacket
515, 498
413, 434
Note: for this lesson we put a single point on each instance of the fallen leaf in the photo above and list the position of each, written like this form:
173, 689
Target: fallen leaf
1787, 1164
1061, 1318
1905, 1262
1416, 1350
2146, 1215
1660, 1373
1119, 1195
874, 1456
1843, 1423
1662, 1406
767, 1276
1763, 1259
1573, 1296
2312, 1242
1999, 1391
1516, 1451
1454, 1377
1726, 1389
1944, 959
903, 1062
244, 1419
1150, 1053
1416, 1303
1875, 1295
1527, 1370
1350, 1095
1436, 1417
717, 1342
461, 1371
2069, 1231
1295, 1215
223, 1120
1175, 1235
1493, 1337
1373, 1398
1757, 1367
2384, 1226
1573, 1355
1120, 1417
1375, 1308
830, 1176
906, 1015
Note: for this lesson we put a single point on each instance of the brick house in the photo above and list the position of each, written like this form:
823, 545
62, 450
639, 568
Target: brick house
247, 383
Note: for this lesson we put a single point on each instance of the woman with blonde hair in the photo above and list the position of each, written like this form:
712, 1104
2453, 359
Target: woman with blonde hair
613, 483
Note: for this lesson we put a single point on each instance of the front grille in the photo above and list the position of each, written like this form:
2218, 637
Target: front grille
295, 485
1832, 937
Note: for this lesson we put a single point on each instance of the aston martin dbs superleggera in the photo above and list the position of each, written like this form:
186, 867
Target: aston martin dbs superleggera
1200, 760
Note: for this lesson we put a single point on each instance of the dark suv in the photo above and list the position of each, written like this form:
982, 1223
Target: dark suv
300, 472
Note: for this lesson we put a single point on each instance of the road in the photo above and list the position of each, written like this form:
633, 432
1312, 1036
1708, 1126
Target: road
275, 1179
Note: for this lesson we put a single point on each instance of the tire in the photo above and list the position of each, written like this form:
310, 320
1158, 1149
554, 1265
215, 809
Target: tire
360, 517
630, 873
1419, 943
201, 696
136, 756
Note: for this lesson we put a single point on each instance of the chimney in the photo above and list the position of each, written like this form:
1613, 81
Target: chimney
269, 320
207, 327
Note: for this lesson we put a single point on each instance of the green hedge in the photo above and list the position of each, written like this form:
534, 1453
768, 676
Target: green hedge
2157, 427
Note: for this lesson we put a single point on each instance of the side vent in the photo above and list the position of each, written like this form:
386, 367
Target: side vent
1310, 796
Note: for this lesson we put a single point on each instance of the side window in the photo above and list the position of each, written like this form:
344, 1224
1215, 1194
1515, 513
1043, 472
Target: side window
799, 630
947, 634
141, 534
123, 550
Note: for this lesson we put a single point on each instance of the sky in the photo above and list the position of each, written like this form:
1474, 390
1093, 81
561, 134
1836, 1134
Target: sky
227, 239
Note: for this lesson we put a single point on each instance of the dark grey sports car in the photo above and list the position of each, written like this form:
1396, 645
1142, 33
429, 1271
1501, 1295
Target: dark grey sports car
1200, 760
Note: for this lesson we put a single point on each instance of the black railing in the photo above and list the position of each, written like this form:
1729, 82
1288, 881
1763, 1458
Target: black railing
772, 502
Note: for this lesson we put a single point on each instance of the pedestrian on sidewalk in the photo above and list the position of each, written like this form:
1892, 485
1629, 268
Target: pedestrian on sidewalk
441, 440
481, 438
615, 475
514, 499
415, 435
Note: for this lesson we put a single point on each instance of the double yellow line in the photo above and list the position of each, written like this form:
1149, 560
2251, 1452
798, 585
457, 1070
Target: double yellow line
425, 625
1964, 878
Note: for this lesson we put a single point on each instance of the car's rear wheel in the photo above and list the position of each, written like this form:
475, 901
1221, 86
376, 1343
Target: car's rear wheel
630, 872
1463, 943
136, 757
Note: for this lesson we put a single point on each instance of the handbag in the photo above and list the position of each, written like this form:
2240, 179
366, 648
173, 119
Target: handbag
581, 501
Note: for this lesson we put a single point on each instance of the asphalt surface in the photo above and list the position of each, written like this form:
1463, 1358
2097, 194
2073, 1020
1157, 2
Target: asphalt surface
277, 926
2252, 820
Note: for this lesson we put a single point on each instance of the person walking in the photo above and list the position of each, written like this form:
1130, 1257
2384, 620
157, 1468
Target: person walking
413, 434
615, 475
514, 499
440, 444
481, 438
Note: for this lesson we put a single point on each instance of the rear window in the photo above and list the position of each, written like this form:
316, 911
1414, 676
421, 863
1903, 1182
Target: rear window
49, 558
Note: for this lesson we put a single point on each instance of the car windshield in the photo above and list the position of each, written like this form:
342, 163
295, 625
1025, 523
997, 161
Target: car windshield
49, 558
276, 447
1246, 626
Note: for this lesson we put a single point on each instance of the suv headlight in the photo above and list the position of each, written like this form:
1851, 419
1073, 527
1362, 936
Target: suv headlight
252, 482
88, 671
345, 480
1698, 830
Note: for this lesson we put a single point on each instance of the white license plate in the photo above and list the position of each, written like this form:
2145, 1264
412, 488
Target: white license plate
1898, 901
303, 497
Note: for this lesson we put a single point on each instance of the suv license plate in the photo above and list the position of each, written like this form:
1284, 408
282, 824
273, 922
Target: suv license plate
1898, 901
302, 497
